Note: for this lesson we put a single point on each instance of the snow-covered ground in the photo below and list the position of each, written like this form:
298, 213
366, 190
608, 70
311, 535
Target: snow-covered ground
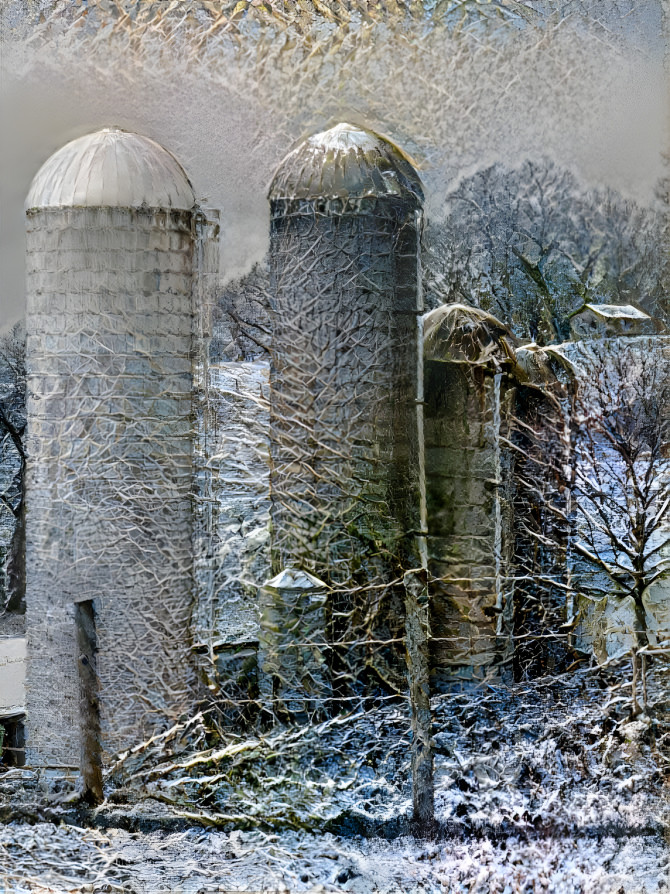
47, 858
548, 786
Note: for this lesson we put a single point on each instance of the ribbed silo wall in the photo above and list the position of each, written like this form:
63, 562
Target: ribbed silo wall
468, 480
344, 432
109, 473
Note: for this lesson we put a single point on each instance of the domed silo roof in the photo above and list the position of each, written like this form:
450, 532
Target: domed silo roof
346, 162
111, 168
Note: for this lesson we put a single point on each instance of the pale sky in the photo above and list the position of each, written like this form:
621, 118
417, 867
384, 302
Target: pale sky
590, 102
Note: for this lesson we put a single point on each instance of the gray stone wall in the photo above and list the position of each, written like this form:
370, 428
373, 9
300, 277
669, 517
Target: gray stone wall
109, 478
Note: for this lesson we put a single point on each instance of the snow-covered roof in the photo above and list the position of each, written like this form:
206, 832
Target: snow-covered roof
111, 168
346, 162
618, 311
295, 579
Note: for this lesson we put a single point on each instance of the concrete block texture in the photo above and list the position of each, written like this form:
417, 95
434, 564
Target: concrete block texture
346, 463
109, 477
467, 416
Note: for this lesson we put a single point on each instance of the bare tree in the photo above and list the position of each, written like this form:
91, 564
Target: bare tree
13, 459
531, 245
592, 494
621, 487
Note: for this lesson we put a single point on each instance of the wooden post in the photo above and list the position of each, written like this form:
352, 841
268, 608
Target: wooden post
418, 671
89, 704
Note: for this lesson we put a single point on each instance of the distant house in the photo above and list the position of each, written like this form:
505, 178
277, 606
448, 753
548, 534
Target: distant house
610, 321
12, 698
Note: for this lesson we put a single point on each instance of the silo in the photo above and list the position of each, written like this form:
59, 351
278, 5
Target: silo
345, 377
469, 409
109, 516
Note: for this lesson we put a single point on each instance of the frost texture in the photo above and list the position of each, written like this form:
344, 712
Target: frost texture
525, 240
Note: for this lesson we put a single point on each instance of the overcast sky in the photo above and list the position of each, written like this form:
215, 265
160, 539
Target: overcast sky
594, 99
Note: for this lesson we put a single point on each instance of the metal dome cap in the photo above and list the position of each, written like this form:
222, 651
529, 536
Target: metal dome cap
111, 168
346, 162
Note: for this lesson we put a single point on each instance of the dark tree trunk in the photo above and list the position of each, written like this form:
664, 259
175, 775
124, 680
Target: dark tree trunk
16, 565
641, 636
641, 640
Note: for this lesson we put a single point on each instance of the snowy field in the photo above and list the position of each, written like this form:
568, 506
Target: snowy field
548, 786
46, 858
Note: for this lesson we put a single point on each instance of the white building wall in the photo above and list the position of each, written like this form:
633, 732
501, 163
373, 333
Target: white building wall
232, 556
12, 676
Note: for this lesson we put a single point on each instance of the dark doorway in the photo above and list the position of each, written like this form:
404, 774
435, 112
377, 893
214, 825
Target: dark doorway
13, 741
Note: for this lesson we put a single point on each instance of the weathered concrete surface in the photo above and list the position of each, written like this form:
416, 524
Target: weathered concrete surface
110, 450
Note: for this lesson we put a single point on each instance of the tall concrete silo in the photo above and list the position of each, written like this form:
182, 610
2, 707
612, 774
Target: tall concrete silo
110, 444
346, 464
469, 407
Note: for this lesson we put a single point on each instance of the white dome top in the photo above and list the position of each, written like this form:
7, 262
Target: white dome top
111, 168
